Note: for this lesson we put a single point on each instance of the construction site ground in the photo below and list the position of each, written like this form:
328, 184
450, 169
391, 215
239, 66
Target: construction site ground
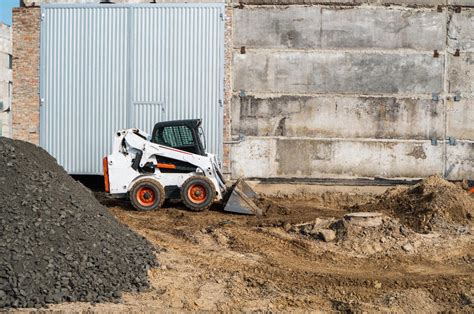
217, 261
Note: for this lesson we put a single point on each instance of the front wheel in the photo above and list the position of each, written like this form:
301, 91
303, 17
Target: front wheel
197, 193
147, 194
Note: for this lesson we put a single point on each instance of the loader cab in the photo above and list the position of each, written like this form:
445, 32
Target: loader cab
186, 135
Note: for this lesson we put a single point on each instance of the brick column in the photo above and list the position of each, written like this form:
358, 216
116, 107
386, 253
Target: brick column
26, 59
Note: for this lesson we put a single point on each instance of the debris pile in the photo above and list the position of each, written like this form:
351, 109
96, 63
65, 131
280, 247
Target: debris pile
367, 235
57, 243
319, 229
434, 204
362, 233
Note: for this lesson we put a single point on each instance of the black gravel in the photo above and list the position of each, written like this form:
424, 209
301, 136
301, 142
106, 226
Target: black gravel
57, 242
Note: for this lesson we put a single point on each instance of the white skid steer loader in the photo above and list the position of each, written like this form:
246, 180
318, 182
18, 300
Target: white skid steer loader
171, 164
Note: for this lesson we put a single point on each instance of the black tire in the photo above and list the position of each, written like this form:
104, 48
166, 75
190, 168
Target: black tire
198, 193
146, 195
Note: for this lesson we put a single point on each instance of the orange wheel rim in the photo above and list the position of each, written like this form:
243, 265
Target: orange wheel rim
197, 193
146, 196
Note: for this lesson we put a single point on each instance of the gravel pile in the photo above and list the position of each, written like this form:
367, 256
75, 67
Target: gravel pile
57, 243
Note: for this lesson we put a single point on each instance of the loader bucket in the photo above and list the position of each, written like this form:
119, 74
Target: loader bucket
241, 199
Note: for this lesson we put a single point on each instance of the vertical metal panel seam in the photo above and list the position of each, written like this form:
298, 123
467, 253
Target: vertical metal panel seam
130, 64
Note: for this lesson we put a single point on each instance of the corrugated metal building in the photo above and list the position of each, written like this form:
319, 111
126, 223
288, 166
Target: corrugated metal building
106, 68
6, 84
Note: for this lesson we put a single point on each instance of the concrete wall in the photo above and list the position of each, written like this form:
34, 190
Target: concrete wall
335, 72
347, 91
421, 3
370, 117
409, 3
5, 79
460, 81
326, 27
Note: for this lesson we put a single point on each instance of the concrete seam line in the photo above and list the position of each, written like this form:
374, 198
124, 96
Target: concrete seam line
345, 4
264, 95
351, 139
394, 51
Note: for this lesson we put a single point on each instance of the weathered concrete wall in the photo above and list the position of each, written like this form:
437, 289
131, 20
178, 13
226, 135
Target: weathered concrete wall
320, 27
467, 3
460, 160
407, 3
460, 34
461, 73
460, 119
321, 116
460, 80
344, 92
5, 79
259, 157
338, 73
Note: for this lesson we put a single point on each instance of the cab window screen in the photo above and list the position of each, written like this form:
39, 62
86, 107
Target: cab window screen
175, 136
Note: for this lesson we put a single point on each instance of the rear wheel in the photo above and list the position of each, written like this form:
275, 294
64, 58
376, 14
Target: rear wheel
147, 194
198, 193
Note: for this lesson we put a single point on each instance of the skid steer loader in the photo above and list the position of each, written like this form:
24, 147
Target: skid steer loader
171, 164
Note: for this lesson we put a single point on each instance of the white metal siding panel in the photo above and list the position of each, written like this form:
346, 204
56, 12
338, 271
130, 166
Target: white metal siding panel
84, 84
178, 61
146, 115
105, 68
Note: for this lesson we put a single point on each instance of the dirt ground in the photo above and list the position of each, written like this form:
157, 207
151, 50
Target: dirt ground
215, 261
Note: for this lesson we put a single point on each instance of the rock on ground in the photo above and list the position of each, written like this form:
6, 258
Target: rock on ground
327, 235
57, 243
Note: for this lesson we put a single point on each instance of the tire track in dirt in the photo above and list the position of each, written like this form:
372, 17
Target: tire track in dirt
294, 265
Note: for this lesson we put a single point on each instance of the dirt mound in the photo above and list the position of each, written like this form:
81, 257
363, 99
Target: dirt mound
326, 199
270, 207
57, 243
431, 205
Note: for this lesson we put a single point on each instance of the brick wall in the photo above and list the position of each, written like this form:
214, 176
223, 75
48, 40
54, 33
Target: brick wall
26, 56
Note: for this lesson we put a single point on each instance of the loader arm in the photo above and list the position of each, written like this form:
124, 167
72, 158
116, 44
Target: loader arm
135, 142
